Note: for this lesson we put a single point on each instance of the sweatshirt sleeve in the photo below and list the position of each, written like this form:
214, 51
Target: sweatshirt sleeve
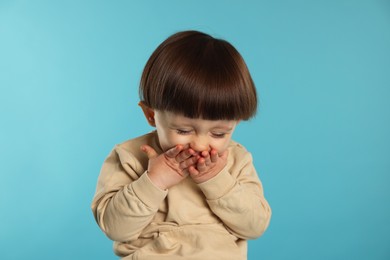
126, 200
236, 196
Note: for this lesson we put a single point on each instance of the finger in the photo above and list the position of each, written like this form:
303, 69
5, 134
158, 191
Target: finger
188, 162
193, 171
201, 165
185, 173
173, 152
206, 157
184, 154
149, 151
214, 156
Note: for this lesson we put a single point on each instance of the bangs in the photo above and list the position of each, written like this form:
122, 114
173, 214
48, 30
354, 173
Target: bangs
199, 77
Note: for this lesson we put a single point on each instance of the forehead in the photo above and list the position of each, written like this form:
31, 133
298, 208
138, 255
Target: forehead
174, 119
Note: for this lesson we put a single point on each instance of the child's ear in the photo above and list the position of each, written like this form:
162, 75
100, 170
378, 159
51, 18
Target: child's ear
148, 112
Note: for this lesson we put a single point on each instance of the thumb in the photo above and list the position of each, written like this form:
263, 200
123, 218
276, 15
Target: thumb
149, 151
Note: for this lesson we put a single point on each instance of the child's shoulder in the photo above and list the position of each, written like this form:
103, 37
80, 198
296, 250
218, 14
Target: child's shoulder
131, 149
238, 150
133, 145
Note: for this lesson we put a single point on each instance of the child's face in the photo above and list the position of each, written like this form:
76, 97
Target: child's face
199, 134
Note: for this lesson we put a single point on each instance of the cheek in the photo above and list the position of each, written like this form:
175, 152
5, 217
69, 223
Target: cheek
220, 145
172, 139
165, 140
180, 139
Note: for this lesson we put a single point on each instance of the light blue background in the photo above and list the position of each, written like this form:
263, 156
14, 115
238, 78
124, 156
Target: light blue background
69, 72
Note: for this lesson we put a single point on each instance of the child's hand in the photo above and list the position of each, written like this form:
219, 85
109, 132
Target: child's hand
208, 165
168, 169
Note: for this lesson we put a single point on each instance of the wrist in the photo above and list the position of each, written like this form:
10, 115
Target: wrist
157, 181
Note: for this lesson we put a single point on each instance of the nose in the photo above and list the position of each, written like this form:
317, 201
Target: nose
199, 144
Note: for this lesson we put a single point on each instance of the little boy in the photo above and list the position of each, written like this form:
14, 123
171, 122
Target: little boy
186, 190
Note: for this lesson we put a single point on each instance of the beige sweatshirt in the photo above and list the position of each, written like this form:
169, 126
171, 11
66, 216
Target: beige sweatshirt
211, 220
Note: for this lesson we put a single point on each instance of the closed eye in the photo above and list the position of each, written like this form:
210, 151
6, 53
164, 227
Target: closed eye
218, 135
183, 132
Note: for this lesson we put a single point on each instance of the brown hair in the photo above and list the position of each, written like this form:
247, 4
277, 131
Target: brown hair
198, 76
